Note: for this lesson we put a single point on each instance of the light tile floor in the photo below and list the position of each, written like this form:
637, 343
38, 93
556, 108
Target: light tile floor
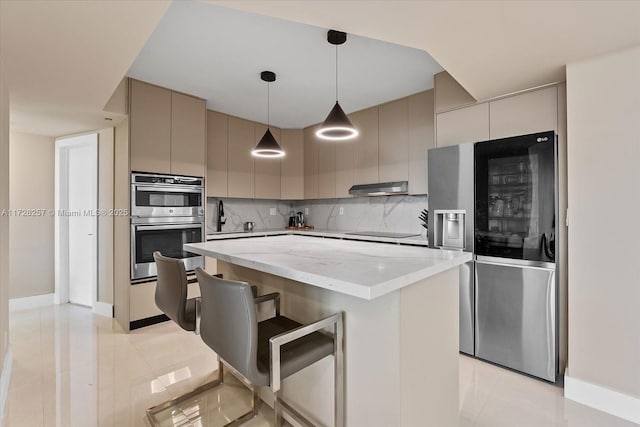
72, 368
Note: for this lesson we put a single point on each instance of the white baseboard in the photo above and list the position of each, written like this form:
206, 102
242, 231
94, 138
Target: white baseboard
601, 398
4, 381
102, 309
26, 303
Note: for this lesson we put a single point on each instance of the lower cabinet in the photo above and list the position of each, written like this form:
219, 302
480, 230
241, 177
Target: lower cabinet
142, 303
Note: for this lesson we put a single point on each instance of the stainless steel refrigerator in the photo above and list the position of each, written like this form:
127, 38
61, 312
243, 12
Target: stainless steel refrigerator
451, 218
511, 311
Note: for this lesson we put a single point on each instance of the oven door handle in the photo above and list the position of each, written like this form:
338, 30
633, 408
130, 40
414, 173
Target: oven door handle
167, 227
151, 189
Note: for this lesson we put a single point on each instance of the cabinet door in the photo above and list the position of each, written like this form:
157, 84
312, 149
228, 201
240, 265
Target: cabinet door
366, 146
326, 169
292, 165
530, 112
267, 171
188, 135
150, 128
469, 124
393, 145
421, 139
310, 163
239, 159
217, 134
344, 168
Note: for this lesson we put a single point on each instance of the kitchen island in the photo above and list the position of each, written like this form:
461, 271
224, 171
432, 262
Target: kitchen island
400, 307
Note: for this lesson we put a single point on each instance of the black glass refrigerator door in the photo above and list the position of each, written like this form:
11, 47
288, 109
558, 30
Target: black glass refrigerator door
515, 200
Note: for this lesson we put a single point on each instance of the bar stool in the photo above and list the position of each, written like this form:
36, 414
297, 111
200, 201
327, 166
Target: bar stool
171, 299
171, 293
264, 353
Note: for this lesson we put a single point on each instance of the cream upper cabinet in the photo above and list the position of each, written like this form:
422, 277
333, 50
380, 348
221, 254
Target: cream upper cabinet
344, 167
326, 169
239, 160
217, 134
530, 112
266, 170
292, 165
310, 163
421, 139
188, 135
150, 128
365, 146
393, 143
468, 124
168, 131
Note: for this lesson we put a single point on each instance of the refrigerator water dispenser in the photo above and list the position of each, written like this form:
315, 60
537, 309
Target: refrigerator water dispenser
450, 229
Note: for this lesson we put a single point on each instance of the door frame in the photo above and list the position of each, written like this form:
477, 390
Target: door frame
61, 262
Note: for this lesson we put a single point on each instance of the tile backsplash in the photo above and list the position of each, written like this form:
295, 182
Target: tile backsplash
239, 211
398, 214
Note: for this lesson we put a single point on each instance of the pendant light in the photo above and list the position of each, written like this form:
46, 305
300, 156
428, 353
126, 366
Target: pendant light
268, 146
337, 126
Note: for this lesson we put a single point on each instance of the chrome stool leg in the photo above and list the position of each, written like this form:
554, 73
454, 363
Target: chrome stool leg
338, 366
275, 344
153, 411
277, 409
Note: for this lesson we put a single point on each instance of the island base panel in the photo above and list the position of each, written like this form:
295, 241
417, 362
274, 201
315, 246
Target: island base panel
383, 351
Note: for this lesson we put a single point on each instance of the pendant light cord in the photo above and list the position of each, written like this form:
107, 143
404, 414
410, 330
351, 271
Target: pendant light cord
336, 73
268, 104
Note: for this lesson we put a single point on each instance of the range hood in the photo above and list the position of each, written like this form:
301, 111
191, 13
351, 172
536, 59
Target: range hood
380, 189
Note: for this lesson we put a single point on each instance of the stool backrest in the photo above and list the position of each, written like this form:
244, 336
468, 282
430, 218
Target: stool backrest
171, 288
229, 324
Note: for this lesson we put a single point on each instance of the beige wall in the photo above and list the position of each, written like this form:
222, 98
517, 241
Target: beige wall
4, 220
31, 270
121, 225
105, 223
603, 121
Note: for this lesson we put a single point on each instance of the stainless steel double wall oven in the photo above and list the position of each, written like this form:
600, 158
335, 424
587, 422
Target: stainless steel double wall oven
167, 211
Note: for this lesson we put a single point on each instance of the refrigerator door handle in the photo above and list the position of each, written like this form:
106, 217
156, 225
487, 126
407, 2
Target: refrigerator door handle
509, 262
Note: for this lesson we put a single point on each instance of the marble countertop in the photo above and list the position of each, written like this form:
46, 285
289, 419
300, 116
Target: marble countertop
362, 269
417, 241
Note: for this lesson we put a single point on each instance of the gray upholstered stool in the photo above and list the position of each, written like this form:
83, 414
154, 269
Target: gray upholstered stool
171, 299
266, 352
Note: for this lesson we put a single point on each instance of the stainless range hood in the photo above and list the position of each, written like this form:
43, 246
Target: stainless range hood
380, 189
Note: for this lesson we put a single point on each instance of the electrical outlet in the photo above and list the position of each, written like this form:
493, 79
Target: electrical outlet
306, 211
272, 211
341, 211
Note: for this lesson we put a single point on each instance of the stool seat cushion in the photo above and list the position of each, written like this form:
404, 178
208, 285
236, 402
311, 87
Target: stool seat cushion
295, 355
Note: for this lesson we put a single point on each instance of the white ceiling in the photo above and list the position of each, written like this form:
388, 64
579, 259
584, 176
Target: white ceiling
61, 60
491, 47
217, 53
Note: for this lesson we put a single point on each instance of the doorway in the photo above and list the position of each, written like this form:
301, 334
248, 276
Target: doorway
76, 226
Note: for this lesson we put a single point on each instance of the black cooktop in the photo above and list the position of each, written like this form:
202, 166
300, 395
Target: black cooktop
383, 234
